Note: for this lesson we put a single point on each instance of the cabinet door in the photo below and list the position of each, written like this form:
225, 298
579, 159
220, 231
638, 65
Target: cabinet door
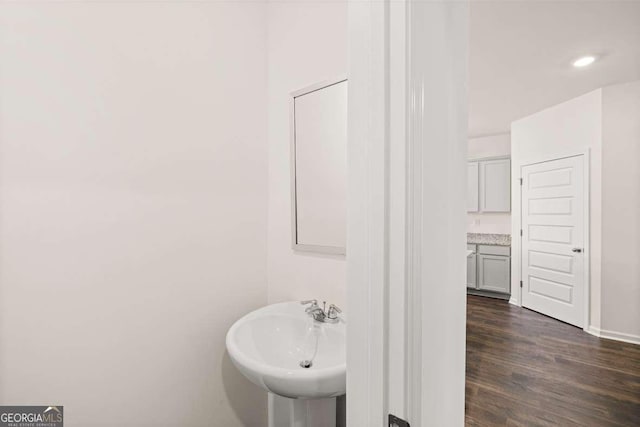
472, 187
495, 185
471, 268
493, 273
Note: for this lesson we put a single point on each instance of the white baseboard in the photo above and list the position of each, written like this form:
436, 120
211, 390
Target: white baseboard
617, 336
593, 331
514, 301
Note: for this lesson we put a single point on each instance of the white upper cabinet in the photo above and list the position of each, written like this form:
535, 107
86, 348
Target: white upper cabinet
472, 187
495, 185
489, 186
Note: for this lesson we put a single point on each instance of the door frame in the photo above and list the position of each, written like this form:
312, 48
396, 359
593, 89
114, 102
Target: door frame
586, 251
367, 214
405, 299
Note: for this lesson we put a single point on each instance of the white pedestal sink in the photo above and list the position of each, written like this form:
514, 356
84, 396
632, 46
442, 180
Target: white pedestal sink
273, 346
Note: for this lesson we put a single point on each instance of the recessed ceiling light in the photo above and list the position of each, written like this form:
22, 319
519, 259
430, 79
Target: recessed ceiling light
584, 61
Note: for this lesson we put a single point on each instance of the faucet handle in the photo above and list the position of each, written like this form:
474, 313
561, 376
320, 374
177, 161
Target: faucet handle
333, 311
313, 306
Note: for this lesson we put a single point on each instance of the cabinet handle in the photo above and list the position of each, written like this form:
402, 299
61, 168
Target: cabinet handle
576, 250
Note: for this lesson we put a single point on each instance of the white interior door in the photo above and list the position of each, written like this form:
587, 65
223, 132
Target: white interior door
553, 237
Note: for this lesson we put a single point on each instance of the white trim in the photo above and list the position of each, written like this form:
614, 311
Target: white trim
586, 168
612, 335
317, 86
335, 250
479, 159
488, 135
426, 115
397, 340
593, 330
560, 154
367, 219
437, 46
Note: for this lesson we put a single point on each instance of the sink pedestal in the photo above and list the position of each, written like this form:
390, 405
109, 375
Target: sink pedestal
285, 412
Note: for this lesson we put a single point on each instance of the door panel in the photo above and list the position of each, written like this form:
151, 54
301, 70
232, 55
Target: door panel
550, 289
555, 206
552, 226
560, 263
558, 177
550, 233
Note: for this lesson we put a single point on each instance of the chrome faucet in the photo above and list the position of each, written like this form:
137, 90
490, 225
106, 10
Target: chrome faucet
321, 314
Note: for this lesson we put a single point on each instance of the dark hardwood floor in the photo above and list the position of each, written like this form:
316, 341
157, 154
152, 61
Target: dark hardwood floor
526, 369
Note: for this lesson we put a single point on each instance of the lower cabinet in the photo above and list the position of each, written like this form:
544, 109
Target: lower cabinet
471, 267
493, 273
489, 269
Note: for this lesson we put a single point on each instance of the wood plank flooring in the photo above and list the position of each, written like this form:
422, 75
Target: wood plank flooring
526, 369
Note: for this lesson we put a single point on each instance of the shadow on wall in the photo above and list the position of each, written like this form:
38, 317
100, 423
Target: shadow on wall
247, 401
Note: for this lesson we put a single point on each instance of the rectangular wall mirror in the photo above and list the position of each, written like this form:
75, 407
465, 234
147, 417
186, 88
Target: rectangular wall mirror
319, 167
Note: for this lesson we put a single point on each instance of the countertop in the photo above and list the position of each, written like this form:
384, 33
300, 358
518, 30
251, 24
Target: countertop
489, 239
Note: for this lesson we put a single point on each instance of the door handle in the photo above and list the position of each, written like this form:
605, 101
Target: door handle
576, 250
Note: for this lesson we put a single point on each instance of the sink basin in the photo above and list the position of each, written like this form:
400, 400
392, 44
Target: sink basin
273, 345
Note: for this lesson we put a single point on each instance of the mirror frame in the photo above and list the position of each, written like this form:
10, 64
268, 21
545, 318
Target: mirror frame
335, 250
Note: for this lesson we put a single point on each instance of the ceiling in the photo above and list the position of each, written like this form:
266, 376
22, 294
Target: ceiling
521, 55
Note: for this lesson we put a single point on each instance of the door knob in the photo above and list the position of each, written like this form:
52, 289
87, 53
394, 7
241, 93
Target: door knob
577, 250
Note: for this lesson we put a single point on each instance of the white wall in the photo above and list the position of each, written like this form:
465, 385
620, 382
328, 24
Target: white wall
480, 148
489, 146
564, 129
621, 211
133, 167
307, 43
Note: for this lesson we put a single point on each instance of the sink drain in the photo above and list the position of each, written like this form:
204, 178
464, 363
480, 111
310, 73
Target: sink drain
306, 364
